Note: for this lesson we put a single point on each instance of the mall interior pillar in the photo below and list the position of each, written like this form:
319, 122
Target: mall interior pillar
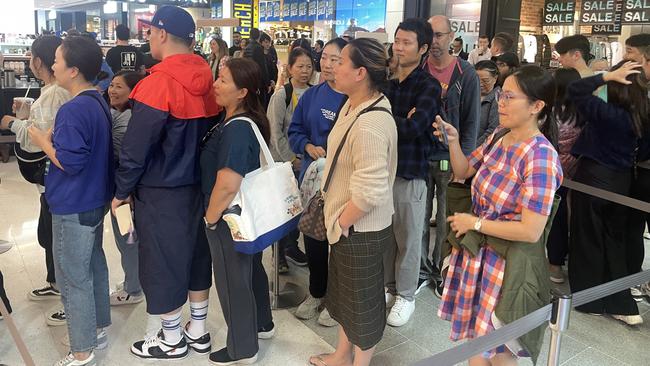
417, 9
500, 16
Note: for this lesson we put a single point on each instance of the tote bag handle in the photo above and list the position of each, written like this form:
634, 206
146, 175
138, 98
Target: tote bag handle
266, 159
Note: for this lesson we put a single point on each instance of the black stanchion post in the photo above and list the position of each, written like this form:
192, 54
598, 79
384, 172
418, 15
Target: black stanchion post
291, 295
559, 323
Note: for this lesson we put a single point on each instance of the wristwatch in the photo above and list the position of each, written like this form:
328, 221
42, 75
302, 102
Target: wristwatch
208, 225
477, 225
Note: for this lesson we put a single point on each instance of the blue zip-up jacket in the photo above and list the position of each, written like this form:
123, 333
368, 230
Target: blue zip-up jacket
173, 108
462, 108
313, 120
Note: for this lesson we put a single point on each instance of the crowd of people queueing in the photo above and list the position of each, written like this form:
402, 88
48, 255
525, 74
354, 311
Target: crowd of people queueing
490, 140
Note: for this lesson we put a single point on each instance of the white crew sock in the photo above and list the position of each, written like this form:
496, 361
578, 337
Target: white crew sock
171, 326
199, 311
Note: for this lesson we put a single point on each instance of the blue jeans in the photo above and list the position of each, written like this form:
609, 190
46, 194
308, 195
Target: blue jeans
82, 275
129, 258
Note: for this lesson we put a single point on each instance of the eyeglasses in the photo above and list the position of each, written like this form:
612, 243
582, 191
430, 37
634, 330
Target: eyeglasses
439, 35
506, 97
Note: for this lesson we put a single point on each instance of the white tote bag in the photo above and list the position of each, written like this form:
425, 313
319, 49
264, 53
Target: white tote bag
267, 206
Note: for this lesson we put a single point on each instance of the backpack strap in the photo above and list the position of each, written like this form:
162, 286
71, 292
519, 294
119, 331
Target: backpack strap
288, 91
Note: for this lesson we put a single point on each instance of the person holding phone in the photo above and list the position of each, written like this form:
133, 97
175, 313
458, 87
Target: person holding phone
515, 176
607, 149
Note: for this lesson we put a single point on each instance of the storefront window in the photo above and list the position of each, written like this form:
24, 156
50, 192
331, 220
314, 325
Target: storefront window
465, 16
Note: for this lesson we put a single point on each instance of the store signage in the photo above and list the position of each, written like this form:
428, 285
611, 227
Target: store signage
184, 3
246, 12
465, 26
614, 28
559, 12
636, 12
599, 12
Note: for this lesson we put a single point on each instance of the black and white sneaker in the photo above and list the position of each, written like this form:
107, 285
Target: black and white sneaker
296, 256
222, 358
46, 293
440, 285
199, 345
56, 318
156, 348
422, 283
266, 332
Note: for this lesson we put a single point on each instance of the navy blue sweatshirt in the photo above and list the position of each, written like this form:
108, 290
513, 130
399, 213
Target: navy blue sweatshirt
608, 137
83, 144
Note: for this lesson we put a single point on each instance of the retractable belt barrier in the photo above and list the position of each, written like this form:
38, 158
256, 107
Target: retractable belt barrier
529, 322
556, 313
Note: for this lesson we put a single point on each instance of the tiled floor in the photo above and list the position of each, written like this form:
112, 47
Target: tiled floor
590, 340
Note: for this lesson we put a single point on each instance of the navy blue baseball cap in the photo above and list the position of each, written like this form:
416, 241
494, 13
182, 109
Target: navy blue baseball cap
173, 20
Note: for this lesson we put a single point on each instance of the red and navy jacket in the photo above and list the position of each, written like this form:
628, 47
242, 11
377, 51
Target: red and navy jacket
172, 109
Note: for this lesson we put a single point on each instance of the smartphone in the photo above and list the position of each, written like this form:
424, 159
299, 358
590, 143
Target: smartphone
441, 129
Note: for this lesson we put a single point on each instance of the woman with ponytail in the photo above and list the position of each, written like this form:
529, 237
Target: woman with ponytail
607, 148
230, 151
504, 275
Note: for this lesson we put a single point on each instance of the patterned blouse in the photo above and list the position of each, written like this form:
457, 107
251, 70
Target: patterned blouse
523, 175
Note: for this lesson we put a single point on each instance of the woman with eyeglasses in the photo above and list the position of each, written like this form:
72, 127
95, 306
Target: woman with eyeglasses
516, 172
488, 73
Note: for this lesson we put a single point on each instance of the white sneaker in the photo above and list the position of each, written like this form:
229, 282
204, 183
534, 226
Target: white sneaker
390, 300
326, 320
102, 339
122, 297
69, 360
308, 308
629, 319
401, 312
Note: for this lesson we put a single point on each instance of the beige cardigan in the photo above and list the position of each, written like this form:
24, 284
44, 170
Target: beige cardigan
365, 171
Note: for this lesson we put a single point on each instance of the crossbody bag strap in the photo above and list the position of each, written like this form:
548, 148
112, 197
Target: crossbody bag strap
340, 147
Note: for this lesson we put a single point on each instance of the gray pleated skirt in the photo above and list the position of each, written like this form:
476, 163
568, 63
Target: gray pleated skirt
355, 286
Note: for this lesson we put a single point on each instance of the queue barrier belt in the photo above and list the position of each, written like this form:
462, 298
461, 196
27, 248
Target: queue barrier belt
527, 323
533, 320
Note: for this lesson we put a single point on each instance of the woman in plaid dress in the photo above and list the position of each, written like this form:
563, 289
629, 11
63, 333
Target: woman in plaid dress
515, 179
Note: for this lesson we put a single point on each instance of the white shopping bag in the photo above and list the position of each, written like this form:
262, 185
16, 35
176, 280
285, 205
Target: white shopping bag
268, 204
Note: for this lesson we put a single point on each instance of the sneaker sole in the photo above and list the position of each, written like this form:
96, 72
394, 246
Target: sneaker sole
129, 302
559, 281
33, 297
152, 358
266, 335
55, 323
243, 361
299, 264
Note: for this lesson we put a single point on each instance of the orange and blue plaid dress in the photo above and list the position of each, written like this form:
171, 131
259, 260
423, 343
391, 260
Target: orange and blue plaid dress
525, 174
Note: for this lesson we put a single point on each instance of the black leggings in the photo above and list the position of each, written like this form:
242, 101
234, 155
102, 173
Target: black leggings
44, 233
557, 244
317, 260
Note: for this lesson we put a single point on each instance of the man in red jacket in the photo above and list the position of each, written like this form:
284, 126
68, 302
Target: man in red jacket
172, 110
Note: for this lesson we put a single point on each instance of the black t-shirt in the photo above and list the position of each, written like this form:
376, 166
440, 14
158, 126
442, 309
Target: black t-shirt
232, 145
124, 58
